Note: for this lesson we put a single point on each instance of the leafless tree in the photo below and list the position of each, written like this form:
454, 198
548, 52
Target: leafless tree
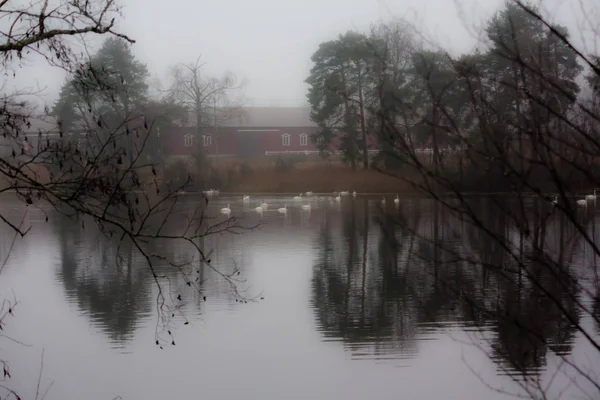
99, 177
509, 119
211, 101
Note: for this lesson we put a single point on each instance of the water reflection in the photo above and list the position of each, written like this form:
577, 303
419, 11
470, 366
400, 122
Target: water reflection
379, 280
364, 299
400, 273
114, 293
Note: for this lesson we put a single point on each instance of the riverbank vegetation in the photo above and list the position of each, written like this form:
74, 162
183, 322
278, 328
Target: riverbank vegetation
292, 174
299, 173
521, 101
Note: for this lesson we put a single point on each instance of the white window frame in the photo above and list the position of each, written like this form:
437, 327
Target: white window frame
303, 139
207, 140
188, 140
320, 141
285, 139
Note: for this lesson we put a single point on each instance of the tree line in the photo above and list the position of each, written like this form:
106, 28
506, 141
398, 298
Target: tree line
521, 113
115, 84
389, 89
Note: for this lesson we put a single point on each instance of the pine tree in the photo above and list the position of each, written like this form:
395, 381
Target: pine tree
339, 94
104, 94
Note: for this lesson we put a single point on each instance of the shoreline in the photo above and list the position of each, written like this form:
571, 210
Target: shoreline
263, 178
373, 194
358, 194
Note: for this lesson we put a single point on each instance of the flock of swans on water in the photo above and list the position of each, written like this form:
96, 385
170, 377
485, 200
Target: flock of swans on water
336, 198
582, 202
264, 206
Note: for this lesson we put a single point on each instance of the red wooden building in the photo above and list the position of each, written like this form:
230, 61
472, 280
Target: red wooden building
253, 132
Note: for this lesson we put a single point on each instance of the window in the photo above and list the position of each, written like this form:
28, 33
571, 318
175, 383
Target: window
320, 141
285, 139
188, 140
207, 140
303, 139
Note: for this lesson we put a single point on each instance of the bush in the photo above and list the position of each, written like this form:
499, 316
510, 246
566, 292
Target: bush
246, 170
214, 180
176, 174
282, 165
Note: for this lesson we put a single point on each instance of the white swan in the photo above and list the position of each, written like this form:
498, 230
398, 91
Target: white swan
309, 193
245, 198
383, 200
591, 196
264, 205
354, 194
208, 192
306, 206
298, 198
259, 209
226, 210
282, 210
338, 198
582, 203
396, 200
344, 193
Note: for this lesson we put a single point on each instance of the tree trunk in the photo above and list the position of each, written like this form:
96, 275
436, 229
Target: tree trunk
436, 241
434, 140
519, 121
200, 143
352, 134
362, 122
215, 136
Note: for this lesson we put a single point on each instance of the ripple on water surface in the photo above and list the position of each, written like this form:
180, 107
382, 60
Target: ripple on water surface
348, 280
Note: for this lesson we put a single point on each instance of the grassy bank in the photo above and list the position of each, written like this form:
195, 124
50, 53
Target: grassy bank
317, 178
275, 175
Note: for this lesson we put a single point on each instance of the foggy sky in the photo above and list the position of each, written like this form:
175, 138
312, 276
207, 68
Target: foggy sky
269, 42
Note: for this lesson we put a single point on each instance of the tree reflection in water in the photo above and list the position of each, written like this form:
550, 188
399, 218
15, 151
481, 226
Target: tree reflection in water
401, 273
114, 295
110, 282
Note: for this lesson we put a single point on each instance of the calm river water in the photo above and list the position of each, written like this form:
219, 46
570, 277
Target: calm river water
354, 307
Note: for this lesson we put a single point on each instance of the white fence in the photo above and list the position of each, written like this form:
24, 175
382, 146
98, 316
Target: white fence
428, 150
307, 152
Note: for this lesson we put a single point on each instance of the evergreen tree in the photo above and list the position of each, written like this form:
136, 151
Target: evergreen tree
530, 75
104, 95
339, 95
593, 77
434, 97
390, 74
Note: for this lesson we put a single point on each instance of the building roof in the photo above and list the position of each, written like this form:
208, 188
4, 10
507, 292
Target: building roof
267, 117
253, 117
